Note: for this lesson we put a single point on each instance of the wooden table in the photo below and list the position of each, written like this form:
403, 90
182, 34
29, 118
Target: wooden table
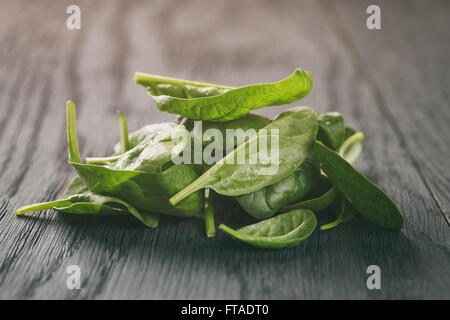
393, 84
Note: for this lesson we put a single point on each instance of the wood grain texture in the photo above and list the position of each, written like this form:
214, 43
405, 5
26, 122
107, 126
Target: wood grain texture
391, 83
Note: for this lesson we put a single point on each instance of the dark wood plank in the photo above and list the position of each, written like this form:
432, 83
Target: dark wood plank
43, 64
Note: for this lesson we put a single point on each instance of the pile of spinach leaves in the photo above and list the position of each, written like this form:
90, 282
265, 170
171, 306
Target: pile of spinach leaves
314, 172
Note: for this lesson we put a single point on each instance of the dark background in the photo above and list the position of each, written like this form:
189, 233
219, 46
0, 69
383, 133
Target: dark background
392, 84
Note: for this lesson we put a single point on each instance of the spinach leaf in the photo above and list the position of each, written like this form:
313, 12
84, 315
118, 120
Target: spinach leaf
315, 204
265, 202
331, 129
369, 200
150, 148
172, 87
219, 103
344, 213
283, 231
209, 214
78, 199
147, 191
151, 154
295, 130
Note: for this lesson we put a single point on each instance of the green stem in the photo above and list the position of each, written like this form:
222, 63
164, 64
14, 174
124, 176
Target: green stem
315, 204
74, 153
145, 80
226, 229
355, 138
184, 193
209, 214
102, 160
331, 225
200, 183
341, 207
124, 143
43, 206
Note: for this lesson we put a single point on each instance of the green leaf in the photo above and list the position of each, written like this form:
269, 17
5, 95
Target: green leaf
369, 200
315, 204
151, 147
295, 130
166, 86
146, 191
283, 231
265, 202
149, 191
151, 154
78, 199
202, 101
331, 129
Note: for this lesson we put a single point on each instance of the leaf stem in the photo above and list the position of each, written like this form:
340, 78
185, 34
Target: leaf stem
146, 79
184, 193
74, 153
102, 160
330, 225
353, 139
209, 214
43, 206
200, 183
124, 143
226, 229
